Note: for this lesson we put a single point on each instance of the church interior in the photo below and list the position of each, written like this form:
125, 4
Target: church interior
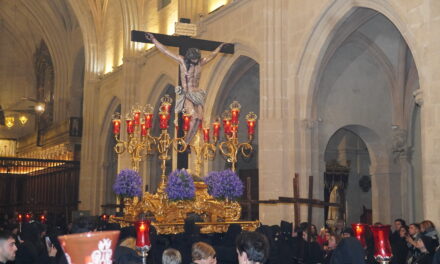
345, 91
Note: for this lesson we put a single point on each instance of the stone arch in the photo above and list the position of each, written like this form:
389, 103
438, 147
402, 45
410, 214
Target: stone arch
323, 33
220, 71
319, 47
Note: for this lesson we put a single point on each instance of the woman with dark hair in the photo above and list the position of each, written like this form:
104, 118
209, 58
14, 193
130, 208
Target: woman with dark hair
33, 250
399, 247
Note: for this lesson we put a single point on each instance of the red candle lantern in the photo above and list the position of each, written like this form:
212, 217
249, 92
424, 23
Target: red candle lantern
143, 234
234, 115
143, 130
137, 118
116, 126
148, 120
104, 217
186, 122
359, 230
235, 112
163, 120
206, 135
130, 126
382, 247
43, 219
251, 119
227, 126
20, 218
27, 217
216, 129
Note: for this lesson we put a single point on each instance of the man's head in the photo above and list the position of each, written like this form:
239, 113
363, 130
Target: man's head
171, 256
398, 223
252, 248
193, 55
414, 229
347, 232
7, 247
203, 253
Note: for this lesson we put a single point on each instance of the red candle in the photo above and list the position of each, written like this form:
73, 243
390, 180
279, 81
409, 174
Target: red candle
143, 233
186, 122
116, 126
234, 115
216, 128
20, 218
130, 126
206, 135
137, 118
227, 126
166, 107
163, 120
42, 219
148, 120
251, 127
382, 247
143, 130
359, 232
27, 217
104, 217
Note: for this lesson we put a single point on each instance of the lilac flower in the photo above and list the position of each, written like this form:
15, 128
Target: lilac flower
224, 184
180, 185
128, 183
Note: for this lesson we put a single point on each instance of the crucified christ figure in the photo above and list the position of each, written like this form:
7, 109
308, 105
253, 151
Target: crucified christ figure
190, 98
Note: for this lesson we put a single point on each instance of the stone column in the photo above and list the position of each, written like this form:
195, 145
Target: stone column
88, 182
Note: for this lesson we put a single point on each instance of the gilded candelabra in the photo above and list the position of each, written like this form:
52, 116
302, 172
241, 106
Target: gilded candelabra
169, 215
164, 142
231, 147
139, 140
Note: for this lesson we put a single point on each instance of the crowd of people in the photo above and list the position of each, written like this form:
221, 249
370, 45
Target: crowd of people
35, 242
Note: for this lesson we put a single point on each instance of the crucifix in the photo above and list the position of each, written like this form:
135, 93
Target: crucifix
189, 97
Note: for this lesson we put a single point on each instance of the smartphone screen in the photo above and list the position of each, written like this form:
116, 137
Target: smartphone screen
48, 243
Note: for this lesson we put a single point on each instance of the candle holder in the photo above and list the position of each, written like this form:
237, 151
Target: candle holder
138, 130
143, 243
382, 247
359, 230
231, 147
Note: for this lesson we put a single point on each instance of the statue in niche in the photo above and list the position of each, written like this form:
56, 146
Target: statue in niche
190, 98
44, 73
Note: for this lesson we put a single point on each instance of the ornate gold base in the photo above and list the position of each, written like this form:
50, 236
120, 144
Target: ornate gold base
169, 216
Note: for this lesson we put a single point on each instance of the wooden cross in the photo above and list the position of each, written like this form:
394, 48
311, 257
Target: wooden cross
183, 43
297, 201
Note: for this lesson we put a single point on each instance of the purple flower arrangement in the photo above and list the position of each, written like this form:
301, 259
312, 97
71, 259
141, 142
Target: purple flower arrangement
128, 183
224, 184
180, 186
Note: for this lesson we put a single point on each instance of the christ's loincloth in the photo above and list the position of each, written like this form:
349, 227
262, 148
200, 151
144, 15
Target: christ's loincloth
195, 97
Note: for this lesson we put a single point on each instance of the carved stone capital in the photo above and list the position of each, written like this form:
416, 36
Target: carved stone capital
418, 97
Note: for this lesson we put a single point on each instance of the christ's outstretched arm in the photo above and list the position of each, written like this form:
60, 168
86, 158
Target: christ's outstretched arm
212, 55
162, 48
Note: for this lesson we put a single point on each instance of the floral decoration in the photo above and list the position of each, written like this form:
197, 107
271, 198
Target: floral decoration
224, 185
180, 185
128, 183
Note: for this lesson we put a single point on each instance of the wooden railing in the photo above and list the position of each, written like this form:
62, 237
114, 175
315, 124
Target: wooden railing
34, 185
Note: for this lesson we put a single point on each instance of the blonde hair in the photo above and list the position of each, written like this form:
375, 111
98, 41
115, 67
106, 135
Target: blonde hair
171, 256
201, 250
129, 242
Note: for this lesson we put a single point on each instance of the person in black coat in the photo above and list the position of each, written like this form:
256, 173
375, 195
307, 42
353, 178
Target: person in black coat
399, 247
348, 251
33, 250
125, 252
427, 246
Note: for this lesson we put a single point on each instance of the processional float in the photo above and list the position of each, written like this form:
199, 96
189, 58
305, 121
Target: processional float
167, 215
